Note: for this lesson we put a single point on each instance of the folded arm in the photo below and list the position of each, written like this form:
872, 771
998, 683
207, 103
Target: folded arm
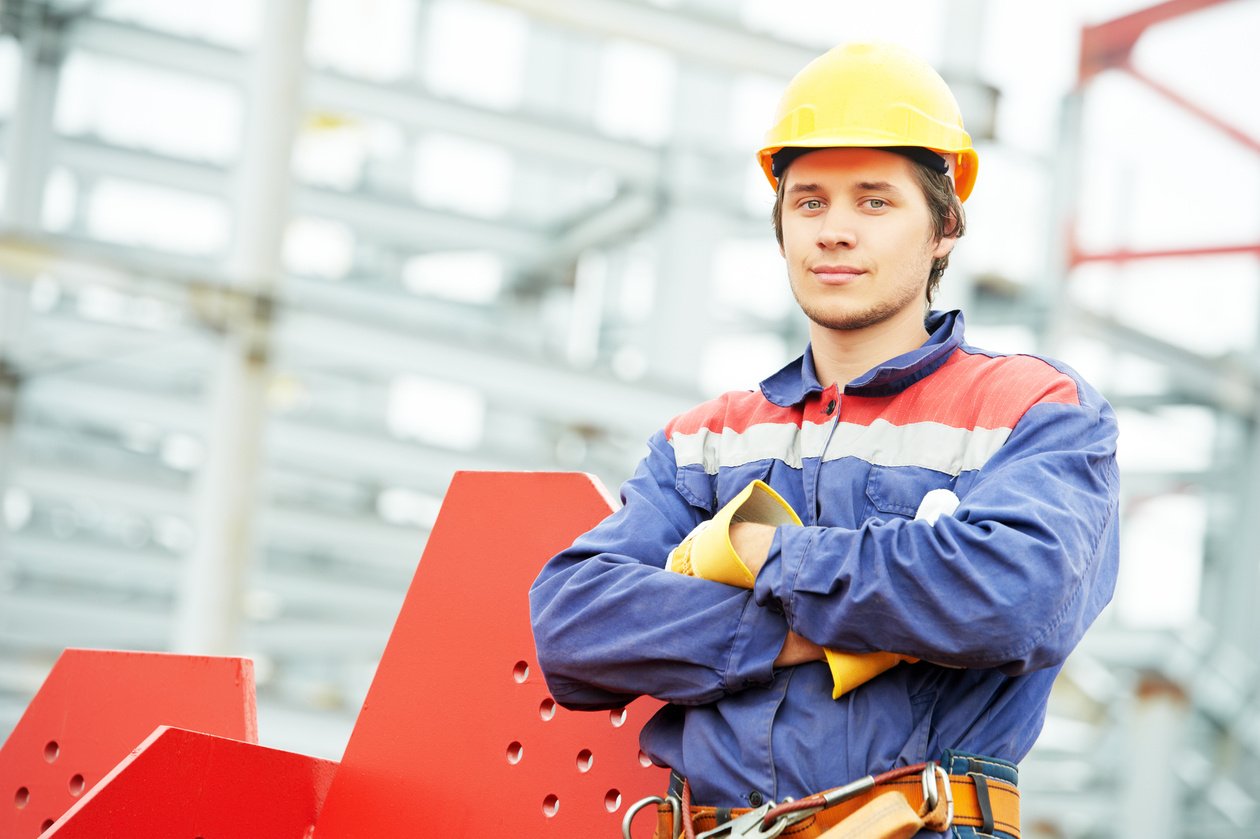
1012, 579
610, 623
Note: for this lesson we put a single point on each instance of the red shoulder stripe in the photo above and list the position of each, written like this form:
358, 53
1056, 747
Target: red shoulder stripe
970, 391
737, 410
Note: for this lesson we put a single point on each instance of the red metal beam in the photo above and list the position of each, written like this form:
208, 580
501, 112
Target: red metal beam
458, 735
1229, 130
95, 707
1107, 45
1125, 255
186, 784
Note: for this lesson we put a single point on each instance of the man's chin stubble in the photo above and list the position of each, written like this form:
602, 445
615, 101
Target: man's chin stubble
850, 321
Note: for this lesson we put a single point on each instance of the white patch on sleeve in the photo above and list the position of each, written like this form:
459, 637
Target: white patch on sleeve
937, 503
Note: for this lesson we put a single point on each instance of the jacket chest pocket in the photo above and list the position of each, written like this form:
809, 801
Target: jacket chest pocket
709, 492
897, 491
696, 488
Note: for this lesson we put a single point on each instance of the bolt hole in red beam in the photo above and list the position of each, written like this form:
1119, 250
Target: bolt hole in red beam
514, 752
51, 751
617, 717
547, 709
76, 785
520, 672
612, 800
47, 824
584, 760
22, 798
551, 806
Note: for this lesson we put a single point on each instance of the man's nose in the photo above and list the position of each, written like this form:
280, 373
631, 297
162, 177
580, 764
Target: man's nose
836, 231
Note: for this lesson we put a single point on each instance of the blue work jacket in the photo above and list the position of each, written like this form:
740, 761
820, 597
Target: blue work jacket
991, 598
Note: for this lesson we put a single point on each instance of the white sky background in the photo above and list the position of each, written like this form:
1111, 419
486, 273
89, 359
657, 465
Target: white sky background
1148, 178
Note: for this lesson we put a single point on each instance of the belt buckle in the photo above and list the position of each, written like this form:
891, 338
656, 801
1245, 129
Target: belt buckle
747, 826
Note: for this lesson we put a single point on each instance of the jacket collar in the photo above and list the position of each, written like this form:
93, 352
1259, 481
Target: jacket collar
799, 379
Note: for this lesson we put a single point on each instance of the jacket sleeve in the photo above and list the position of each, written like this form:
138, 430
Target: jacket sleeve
1012, 580
610, 623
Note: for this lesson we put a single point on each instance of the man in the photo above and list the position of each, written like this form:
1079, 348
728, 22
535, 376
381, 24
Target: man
979, 592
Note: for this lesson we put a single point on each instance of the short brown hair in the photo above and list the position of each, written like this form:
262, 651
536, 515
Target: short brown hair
948, 219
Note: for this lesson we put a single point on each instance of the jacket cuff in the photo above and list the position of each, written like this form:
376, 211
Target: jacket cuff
773, 586
758, 640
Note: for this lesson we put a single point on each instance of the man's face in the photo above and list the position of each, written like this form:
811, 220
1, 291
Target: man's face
857, 237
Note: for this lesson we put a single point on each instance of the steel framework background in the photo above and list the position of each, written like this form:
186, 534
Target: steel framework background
264, 289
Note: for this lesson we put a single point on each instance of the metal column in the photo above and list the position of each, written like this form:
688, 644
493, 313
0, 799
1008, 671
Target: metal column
1150, 802
30, 129
26, 158
688, 233
209, 614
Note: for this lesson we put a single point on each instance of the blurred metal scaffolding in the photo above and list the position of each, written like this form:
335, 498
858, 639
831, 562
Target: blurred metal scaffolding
1187, 753
205, 447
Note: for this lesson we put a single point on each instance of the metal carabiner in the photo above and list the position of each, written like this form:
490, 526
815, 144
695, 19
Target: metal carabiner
931, 796
675, 805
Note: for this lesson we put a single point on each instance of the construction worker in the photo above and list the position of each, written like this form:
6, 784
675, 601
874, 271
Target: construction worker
876, 562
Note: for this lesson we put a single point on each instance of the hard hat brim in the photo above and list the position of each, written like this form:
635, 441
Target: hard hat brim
965, 168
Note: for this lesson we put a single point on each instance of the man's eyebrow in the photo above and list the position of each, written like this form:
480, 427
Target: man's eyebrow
876, 186
861, 186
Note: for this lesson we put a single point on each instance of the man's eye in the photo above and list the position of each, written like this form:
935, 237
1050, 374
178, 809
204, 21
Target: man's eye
876, 203
812, 204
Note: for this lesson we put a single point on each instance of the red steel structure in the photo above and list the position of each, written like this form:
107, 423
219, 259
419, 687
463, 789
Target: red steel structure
457, 737
1109, 46
95, 707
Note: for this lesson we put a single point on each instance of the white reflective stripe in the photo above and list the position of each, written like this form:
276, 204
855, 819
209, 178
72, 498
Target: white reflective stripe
814, 437
931, 445
778, 441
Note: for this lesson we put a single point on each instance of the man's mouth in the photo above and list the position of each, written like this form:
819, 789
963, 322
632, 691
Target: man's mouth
836, 274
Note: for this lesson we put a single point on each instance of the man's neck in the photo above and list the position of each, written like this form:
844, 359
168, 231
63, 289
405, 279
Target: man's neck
842, 355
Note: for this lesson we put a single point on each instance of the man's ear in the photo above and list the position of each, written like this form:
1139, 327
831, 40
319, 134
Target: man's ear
943, 247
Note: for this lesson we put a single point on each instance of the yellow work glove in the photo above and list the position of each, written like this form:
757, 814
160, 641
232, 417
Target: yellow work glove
707, 553
848, 670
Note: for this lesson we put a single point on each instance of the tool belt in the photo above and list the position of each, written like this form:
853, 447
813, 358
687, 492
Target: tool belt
894, 805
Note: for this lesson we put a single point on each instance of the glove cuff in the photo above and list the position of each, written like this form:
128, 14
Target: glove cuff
712, 555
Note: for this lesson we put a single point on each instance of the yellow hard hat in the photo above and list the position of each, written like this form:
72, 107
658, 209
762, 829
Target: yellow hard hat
871, 95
